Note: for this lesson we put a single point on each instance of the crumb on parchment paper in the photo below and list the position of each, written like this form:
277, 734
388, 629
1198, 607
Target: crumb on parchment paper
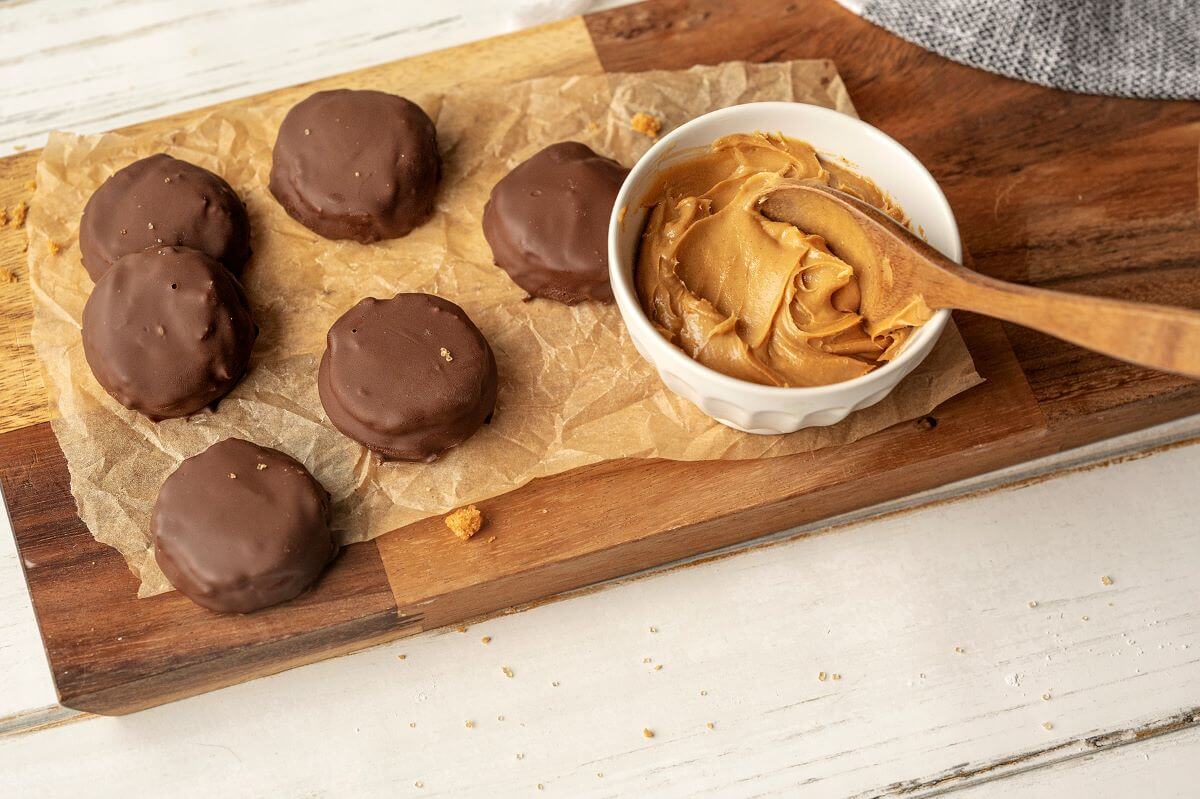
646, 124
464, 522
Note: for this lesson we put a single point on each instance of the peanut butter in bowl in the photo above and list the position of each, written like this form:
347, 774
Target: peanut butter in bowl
754, 298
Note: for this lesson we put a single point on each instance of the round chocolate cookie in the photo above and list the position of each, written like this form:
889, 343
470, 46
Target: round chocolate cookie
167, 331
241, 527
161, 200
408, 377
360, 165
547, 222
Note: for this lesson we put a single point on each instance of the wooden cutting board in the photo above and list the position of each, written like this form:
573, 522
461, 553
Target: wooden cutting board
1086, 194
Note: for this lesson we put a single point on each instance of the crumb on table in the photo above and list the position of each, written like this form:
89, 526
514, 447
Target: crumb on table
18, 214
465, 522
55, 248
646, 124
7, 275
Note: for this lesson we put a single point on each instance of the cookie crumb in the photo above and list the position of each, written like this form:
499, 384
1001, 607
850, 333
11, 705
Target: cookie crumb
31, 185
520, 755
554, 684
401, 657
704, 693
821, 676
646, 124
1106, 580
307, 132
462, 628
499, 718
149, 226
470, 724
658, 667
54, 247
710, 725
1048, 725
7, 275
419, 784
653, 629
647, 732
835, 676
487, 639
232, 476
412, 724
958, 650
18, 214
491, 539
464, 522
507, 671
1033, 603
1046, 697
261, 467
3, 216
445, 353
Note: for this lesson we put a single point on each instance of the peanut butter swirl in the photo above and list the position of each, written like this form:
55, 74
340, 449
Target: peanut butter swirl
755, 298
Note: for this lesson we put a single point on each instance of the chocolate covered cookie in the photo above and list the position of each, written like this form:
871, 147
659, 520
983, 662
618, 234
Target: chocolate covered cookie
241, 527
360, 165
161, 200
408, 377
167, 331
547, 222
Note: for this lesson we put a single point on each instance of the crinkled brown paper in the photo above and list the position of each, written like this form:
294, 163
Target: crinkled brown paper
573, 390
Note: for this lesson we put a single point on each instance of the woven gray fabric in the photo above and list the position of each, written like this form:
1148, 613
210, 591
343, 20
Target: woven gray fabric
1129, 48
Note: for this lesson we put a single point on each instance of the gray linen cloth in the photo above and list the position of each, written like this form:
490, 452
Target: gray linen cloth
1129, 48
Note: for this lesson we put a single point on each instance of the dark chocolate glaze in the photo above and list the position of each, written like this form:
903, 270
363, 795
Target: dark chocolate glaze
241, 527
547, 222
161, 200
408, 377
167, 331
360, 165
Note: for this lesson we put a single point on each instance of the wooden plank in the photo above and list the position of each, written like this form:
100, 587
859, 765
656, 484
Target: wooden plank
742, 641
609, 520
1089, 194
113, 653
567, 531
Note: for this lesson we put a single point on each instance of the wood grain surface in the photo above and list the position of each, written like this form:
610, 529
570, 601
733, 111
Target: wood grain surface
1009, 156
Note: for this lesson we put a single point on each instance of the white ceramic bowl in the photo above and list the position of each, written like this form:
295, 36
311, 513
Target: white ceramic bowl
739, 403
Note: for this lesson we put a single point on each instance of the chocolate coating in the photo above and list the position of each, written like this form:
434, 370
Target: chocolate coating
408, 377
360, 165
167, 331
547, 222
161, 200
241, 527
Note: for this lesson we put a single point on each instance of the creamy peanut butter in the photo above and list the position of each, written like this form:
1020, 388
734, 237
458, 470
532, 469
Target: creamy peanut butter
755, 298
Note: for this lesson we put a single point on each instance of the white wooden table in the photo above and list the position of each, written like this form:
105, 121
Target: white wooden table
972, 645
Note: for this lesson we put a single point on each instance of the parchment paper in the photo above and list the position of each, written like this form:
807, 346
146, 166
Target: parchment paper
573, 390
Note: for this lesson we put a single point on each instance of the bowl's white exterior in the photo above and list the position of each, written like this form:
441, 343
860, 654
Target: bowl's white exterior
738, 403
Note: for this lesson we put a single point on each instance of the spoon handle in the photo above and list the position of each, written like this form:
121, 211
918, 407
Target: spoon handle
1157, 336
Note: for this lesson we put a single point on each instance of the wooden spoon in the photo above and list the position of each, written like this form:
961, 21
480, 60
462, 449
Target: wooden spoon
905, 268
